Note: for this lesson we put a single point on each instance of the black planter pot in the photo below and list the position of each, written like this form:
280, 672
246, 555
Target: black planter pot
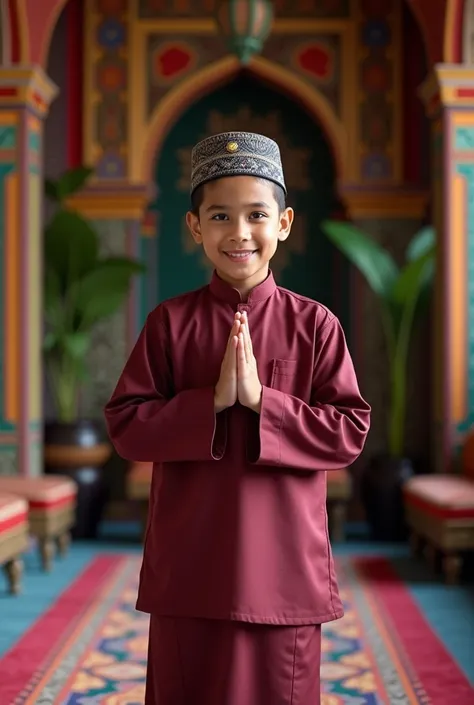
382, 497
79, 450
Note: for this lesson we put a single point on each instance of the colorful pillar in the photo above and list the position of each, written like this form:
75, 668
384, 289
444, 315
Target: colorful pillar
449, 98
25, 96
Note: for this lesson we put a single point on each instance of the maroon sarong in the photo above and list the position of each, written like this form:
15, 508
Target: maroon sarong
212, 662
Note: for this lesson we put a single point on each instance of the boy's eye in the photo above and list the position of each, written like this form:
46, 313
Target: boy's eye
219, 216
257, 215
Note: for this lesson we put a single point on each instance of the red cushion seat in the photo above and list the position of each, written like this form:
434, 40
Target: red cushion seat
13, 538
46, 493
441, 496
51, 504
13, 514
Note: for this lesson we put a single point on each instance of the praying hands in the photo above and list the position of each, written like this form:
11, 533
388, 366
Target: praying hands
239, 375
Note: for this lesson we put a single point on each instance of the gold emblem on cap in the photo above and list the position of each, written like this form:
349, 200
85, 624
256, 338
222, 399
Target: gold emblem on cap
232, 147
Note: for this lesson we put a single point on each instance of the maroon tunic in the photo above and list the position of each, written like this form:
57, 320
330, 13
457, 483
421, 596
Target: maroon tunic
237, 526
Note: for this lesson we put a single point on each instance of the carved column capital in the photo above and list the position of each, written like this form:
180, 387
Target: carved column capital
29, 86
448, 86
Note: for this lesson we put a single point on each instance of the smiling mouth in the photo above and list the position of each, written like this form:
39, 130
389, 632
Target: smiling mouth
240, 255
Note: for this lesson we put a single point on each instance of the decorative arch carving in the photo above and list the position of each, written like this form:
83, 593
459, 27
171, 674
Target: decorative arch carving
219, 73
14, 26
441, 26
26, 41
429, 45
50, 24
457, 15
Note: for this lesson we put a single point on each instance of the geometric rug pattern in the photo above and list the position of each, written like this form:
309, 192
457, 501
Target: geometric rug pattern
90, 647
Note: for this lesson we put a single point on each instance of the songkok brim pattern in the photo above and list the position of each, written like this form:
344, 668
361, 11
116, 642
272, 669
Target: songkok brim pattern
236, 154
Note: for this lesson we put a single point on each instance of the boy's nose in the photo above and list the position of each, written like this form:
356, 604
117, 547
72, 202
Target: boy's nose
241, 233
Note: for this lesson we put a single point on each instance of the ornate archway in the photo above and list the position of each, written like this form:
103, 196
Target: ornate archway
220, 72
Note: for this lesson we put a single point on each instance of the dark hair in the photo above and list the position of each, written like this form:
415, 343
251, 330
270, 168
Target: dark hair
197, 196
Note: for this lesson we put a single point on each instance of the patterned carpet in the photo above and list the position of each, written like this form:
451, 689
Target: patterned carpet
90, 647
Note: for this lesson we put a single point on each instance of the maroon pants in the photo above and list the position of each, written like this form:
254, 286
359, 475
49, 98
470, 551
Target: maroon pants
207, 662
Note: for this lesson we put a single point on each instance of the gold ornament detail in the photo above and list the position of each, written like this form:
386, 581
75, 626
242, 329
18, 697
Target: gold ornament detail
232, 147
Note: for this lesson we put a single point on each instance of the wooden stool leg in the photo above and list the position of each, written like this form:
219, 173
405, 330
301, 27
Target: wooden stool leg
64, 541
46, 546
14, 571
337, 518
452, 566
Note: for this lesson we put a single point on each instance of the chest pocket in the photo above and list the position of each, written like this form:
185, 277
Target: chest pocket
284, 375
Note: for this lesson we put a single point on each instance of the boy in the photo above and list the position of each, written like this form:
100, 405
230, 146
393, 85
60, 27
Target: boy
243, 394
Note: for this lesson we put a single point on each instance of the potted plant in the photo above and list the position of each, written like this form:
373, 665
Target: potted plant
401, 293
81, 288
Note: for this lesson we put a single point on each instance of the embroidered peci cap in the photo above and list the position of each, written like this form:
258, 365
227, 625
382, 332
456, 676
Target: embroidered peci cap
236, 154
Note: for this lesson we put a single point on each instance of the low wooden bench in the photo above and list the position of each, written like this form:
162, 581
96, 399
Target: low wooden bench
51, 510
13, 538
440, 514
339, 490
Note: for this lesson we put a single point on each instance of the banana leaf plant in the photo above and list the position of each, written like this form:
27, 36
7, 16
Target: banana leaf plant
401, 293
81, 288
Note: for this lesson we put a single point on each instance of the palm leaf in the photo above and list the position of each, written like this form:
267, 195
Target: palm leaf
101, 292
51, 190
374, 263
422, 242
71, 246
72, 180
412, 279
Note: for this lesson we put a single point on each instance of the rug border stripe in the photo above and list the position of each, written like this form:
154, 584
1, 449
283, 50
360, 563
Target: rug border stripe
87, 647
405, 666
81, 621
416, 640
367, 588
58, 622
362, 630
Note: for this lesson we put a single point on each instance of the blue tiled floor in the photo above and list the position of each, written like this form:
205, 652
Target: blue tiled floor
449, 610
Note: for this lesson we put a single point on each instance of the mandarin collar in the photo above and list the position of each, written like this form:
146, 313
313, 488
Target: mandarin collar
224, 291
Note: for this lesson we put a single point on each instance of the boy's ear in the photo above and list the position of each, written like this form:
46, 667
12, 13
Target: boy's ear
286, 221
194, 225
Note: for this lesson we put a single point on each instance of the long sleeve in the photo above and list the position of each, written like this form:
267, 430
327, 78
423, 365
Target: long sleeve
328, 433
148, 422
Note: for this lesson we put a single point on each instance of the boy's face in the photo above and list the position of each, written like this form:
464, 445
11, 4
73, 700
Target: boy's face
239, 225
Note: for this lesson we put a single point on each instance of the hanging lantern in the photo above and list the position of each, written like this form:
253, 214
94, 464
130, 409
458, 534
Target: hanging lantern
245, 25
